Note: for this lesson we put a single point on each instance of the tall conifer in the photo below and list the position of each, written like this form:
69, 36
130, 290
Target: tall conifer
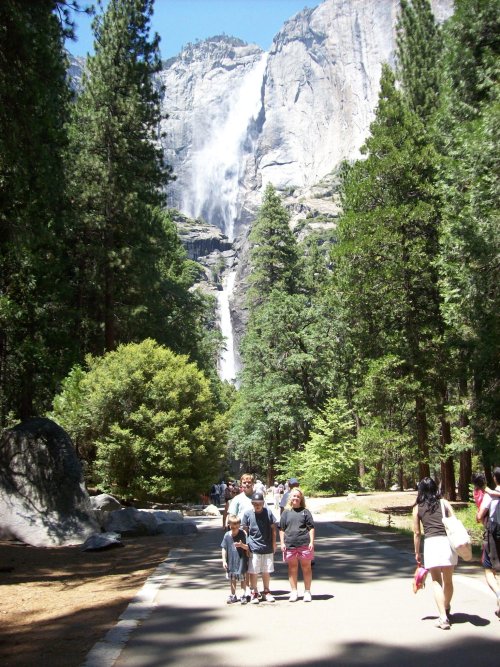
117, 177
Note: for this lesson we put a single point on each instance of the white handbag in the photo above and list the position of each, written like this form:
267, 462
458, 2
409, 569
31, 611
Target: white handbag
457, 534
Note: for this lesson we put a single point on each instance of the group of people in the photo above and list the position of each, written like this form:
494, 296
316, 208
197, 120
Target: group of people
250, 542
438, 556
249, 545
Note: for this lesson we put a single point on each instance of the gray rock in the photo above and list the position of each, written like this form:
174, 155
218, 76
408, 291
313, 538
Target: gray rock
177, 528
104, 503
43, 500
211, 510
131, 522
168, 515
100, 541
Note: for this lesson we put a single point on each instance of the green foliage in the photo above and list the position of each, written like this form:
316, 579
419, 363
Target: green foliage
328, 460
419, 48
469, 270
116, 178
35, 348
273, 249
149, 418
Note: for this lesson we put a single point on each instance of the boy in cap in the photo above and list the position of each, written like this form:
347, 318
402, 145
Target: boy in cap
259, 524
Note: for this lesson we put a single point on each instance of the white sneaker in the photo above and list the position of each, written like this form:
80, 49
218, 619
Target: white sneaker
307, 596
266, 595
293, 597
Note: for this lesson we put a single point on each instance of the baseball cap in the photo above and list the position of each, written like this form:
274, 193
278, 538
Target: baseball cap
294, 480
257, 497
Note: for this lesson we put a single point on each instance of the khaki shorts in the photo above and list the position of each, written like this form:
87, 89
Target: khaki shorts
259, 563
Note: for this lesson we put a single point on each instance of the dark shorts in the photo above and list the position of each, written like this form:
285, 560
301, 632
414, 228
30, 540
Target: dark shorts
485, 559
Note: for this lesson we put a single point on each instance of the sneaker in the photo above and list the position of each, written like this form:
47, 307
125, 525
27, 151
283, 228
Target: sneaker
307, 596
293, 597
268, 597
443, 624
243, 599
248, 594
254, 598
232, 599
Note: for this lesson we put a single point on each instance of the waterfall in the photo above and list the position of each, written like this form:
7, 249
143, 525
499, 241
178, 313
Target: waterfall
227, 365
217, 169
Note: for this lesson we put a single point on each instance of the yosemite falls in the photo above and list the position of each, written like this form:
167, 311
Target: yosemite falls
239, 118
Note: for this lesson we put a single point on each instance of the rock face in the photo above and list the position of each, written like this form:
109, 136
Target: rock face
43, 501
239, 118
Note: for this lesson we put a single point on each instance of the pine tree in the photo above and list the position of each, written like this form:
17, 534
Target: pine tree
419, 49
117, 176
35, 315
384, 271
469, 125
273, 254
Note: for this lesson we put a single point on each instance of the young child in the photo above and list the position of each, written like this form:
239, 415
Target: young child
480, 488
234, 557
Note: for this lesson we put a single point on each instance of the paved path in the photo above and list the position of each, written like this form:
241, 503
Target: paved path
363, 613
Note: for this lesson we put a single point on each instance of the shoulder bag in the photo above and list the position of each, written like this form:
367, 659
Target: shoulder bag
457, 534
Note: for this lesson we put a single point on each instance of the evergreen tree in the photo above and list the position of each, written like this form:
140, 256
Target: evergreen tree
384, 269
419, 49
273, 254
117, 175
35, 317
468, 125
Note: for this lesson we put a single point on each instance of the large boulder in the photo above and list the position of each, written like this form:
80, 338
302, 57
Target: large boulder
43, 500
131, 522
102, 504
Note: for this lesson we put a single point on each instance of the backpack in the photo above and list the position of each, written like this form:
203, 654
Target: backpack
494, 523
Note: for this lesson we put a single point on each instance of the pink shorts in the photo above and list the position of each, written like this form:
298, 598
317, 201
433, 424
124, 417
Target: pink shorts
298, 553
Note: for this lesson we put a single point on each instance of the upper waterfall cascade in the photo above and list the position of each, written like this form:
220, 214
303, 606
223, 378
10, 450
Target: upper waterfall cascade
218, 165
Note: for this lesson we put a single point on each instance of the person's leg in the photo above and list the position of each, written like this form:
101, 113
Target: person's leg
306, 573
447, 573
293, 570
437, 589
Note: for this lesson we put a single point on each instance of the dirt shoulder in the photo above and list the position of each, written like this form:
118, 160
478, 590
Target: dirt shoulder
56, 603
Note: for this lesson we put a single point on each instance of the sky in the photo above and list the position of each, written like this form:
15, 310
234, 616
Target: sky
181, 21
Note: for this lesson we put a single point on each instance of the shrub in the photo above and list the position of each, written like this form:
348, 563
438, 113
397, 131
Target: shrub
146, 421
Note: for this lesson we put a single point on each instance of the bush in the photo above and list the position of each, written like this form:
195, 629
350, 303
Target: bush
146, 421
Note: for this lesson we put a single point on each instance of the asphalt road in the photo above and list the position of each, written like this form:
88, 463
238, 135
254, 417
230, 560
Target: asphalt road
363, 612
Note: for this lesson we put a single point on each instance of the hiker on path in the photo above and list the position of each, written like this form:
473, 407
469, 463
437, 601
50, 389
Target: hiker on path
439, 558
293, 483
297, 535
259, 524
487, 514
235, 558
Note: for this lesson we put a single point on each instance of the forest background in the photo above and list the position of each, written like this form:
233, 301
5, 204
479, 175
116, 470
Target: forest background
371, 355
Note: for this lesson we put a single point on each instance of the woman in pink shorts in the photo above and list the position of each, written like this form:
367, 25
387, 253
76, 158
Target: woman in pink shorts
297, 542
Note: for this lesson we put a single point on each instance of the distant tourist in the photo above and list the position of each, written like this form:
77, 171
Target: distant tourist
277, 493
235, 558
439, 558
232, 490
215, 495
259, 524
292, 483
297, 533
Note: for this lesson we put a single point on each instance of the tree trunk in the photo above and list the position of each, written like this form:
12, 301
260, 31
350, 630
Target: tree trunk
423, 446
465, 475
447, 469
